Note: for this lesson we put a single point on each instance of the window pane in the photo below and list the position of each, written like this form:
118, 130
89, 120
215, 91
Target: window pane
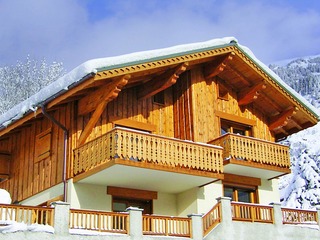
244, 195
228, 192
119, 207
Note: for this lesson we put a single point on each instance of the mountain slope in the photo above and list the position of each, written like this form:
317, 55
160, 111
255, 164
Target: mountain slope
301, 188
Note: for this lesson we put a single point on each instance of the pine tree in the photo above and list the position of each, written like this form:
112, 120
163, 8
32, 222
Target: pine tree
19, 82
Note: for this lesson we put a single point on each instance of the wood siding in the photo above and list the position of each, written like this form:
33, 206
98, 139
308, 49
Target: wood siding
28, 174
188, 113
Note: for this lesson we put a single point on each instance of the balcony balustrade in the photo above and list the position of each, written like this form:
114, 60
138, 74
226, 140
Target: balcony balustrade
238, 147
150, 149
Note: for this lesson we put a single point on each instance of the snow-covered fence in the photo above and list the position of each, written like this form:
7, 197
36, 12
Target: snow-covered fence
298, 216
27, 214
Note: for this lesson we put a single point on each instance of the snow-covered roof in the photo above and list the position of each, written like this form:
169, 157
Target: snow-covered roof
93, 66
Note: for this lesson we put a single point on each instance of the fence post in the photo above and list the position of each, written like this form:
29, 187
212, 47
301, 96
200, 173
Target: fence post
277, 214
61, 218
318, 216
135, 222
226, 212
196, 226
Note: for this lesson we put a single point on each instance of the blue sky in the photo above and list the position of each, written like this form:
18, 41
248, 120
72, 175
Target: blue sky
73, 31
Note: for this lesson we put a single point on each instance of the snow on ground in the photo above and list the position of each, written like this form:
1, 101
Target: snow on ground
5, 197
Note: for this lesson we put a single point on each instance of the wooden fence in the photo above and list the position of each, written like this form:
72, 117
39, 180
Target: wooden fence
99, 221
298, 216
211, 219
27, 214
166, 226
251, 212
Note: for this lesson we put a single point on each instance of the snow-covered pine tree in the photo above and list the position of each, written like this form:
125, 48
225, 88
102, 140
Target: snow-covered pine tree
301, 188
19, 82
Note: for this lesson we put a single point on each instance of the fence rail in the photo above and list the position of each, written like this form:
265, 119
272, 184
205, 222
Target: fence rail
211, 219
298, 216
27, 214
251, 212
149, 148
166, 226
99, 221
252, 149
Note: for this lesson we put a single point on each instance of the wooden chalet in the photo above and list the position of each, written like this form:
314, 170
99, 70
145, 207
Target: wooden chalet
168, 130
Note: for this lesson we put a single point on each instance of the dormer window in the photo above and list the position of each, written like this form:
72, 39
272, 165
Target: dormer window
159, 98
223, 92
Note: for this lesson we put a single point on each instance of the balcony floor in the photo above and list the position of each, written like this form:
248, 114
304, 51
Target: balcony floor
132, 174
245, 168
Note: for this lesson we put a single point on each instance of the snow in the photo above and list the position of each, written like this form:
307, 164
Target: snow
93, 66
5, 197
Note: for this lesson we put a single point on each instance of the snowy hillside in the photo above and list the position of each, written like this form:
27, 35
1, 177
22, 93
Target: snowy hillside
301, 189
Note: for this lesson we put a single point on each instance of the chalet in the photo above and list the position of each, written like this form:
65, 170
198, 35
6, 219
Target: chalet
168, 131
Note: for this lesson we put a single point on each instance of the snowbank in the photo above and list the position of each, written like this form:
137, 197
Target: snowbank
5, 197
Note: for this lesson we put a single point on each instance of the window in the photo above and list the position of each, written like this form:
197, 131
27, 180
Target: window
4, 166
223, 92
121, 204
159, 98
240, 194
236, 128
122, 198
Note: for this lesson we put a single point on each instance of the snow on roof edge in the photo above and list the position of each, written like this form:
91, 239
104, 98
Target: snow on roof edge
92, 66
278, 80
79, 73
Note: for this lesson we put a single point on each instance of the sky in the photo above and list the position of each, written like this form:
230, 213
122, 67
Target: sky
74, 31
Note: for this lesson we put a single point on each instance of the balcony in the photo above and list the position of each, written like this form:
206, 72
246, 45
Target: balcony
135, 159
253, 157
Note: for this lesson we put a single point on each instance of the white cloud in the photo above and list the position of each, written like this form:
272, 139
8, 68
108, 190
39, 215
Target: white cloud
75, 31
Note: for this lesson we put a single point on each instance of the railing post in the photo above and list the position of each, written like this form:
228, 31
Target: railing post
196, 226
226, 213
318, 216
135, 222
277, 214
61, 218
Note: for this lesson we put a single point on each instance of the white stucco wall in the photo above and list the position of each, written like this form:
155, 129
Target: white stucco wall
44, 196
269, 191
166, 204
207, 196
187, 202
88, 196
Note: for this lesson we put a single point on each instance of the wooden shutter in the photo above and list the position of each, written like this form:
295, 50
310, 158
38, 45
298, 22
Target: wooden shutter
43, 145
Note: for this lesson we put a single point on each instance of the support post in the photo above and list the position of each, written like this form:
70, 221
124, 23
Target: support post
226, 214
277, 214
135, 224
318, 216
196, 226
61, 218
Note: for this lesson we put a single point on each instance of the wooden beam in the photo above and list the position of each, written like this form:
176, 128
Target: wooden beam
112, 93
249, 95
239, 75
282, 119
162, 82
90, 102
213, 69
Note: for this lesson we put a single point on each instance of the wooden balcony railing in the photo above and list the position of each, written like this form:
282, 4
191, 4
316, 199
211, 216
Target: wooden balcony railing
251, 149
149, 148
211, 219
166, 226
298, 216
251, 212
99, 221
27, 214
